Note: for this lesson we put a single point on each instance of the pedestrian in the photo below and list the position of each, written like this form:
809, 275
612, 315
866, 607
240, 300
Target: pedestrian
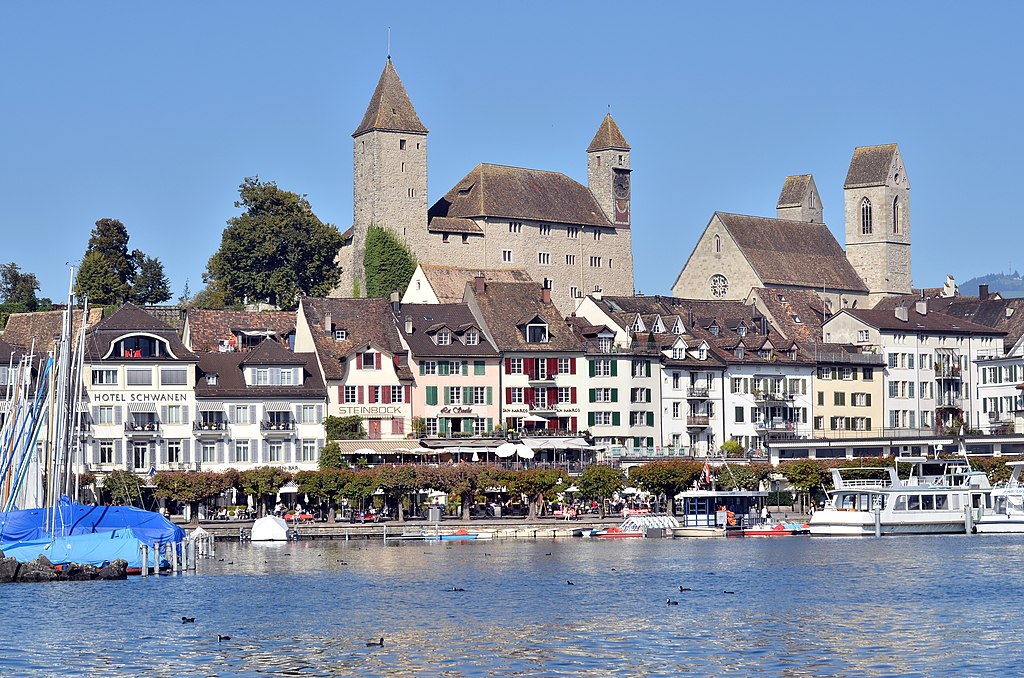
764, 514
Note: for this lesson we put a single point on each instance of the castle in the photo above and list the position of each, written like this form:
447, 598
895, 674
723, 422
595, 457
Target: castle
571, 238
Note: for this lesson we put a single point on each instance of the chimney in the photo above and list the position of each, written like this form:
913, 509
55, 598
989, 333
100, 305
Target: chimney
396, 303
982, 292
545, 294
597, 292
478, 284
327, 323
901, 313
921, 306
408, 324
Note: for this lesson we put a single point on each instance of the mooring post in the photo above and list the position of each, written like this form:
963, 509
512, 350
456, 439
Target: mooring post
145, 560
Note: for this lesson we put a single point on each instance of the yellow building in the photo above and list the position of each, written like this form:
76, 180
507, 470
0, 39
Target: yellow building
848, 390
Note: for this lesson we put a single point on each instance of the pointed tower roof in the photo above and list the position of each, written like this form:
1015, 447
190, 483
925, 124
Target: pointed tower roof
870, 166
390, 108
608, 136
794, 190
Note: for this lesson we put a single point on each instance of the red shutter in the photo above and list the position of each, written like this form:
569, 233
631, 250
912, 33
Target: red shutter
508, 394
341, 394
572, 366
386, 395
359, 394
530, 367
552, 366
408, 394
359, 361
528, 397
552, 397
508, 365
572, 423
572, 395
553, 424
376, 360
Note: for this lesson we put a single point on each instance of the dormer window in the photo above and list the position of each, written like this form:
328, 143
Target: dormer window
678, 327
340, 335
444, 338
638, 325
713, 330
604, 344
741, 330
764, 353
369, 360
211, 379
739, 352
472, 337
702, 353
537, 333
138, 347
679, 353
657, 326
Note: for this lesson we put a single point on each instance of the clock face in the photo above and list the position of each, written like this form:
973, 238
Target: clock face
719, 286
620, 184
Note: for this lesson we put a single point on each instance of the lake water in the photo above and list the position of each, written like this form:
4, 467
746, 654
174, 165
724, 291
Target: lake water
802, 606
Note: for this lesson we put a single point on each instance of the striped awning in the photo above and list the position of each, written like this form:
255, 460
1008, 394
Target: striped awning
141, 407
209, 406
277, 406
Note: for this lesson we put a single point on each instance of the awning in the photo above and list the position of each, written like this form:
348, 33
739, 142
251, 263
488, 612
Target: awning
142, 407
277, 406
210, 406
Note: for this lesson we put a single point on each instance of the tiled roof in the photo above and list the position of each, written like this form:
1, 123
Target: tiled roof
456, 317
794, 189
9, 353
43, 327
449, 282
367, 322
932, 321
270, 352
797, 314
798, 253
390, 108
231, 379
125, 320
608, 136
207, 328
516, 193
506, 306
453, 225
1000, 314
870, 166
171, 315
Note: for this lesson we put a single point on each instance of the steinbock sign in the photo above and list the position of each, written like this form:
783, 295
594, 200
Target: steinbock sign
370, 410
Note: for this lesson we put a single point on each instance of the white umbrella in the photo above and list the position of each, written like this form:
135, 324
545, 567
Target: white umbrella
505, 450
524, 452
476, 457
535, 419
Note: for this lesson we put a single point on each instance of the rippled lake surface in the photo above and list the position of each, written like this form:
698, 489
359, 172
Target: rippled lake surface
942, 605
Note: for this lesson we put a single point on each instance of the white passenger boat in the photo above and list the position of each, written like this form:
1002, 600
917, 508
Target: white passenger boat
935, 498
1007, 511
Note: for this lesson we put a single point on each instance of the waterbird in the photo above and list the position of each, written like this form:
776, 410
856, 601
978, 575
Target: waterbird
547, 554
220, 560
379, 643
221, 638
569, 583
188, 620
669, 601
456, 590
729, 592
683, 588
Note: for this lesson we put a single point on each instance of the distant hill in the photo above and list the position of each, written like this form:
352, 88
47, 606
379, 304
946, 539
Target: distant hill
1008, 284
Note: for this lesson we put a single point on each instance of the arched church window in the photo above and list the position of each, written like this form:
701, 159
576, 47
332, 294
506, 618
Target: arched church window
865, 217
718, 244
896, 214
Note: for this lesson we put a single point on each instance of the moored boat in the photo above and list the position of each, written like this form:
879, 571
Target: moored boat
1006, 514
638, 526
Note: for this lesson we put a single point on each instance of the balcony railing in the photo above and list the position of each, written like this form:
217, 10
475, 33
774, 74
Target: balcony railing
949, 402
210, 426
277, 426
148, 427
946, 371
697, 392
699, 420
764, 397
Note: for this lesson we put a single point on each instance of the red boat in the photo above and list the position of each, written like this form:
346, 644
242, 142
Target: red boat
777, 530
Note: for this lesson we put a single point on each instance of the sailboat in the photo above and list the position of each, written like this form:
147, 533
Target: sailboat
38, 473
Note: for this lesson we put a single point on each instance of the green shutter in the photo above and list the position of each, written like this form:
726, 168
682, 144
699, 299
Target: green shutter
593, 395
442, 368
431, 395
490, 399
593, 369
467, 395
746, 383
615, 368
442, 426
803, 387
615, 393
478, 367
867, 423
490, 421
465, 368
423, 369
615, 417
447, 395
650, 417
590, 417
867, 401
647, 368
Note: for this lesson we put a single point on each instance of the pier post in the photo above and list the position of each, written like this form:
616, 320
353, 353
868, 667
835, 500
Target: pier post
156, 559
145, 560
877, 506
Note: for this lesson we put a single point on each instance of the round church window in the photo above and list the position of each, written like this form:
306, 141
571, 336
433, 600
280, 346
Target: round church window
719, 286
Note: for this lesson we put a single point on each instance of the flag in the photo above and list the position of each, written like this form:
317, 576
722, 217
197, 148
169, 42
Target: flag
152, 471
705, 475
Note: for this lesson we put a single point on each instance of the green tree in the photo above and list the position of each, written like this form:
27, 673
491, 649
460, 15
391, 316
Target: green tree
396, 482
190, 488
263, 484
599, 482
113, 261
387, 263
17, 287
743, 476
731, 448
324, 485
123, 487
98, 281
276, 251
344, 428
151, 285
358, 487
537, 484
667, 478
806, 476
330, 457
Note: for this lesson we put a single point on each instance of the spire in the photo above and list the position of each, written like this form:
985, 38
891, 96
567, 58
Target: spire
608, 136
390, 108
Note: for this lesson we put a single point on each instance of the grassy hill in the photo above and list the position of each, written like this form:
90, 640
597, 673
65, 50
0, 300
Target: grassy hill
1008, 284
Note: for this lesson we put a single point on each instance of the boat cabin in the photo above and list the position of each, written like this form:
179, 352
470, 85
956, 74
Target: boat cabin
710, 508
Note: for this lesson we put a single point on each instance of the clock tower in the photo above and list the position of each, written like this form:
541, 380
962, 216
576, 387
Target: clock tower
608, 172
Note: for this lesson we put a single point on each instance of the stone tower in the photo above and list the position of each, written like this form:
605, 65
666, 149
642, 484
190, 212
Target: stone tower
799, 200
608, 171
877, 194
389, 171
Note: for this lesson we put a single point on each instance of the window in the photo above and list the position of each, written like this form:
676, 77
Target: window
641, 368
564, 394
368, 360
428, 367
863, 336
865, 217
595, 262
397, 394
262, 377
839, 398
106, 451
545, 229
287, 377
537, 333
597, 234
719, 286
241, 415
444, 338
209, 453
350, 394
739, 415
638, 418
602, 418
137, 377
515, 395
847, 373
307, 414
540, 398
676, 410
479, 395
603, 395
173, 451
570, 260
431, 426
105, 414
274, 452
564, 366
506, 256
819, 423
893, 360
860, 400
868, 373
241, 450
472, 337
173, 414
401, 144
308, 450
544, 258
340, 335
173, 377
104, 377
573, 232
515, 366
718, 244
896, 215
515, 227
678, 353
211, 380
602, 367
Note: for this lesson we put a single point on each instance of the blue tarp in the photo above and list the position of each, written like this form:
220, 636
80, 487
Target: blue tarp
74, 519
98, 548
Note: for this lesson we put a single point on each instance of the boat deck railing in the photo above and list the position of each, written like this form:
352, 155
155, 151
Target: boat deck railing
866, 482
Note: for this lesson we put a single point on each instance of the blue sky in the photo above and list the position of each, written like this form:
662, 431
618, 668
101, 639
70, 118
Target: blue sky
153, 113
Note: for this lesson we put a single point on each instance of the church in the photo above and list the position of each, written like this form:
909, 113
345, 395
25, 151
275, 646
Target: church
796, 251
572, 238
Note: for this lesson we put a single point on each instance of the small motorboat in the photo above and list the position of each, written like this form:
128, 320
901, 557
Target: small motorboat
640, 526
776, 530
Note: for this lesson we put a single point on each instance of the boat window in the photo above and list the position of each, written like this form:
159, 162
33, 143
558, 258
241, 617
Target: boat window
928, 502
941, 502
1000, 504
976, 500
914, 502
954, 502
901, 503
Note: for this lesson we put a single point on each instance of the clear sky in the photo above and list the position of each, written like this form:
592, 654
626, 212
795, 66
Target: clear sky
153, 113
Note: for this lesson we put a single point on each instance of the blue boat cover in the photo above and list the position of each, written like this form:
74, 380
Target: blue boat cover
74, 519
97, 548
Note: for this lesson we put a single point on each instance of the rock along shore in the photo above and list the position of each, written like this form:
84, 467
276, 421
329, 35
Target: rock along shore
41, 569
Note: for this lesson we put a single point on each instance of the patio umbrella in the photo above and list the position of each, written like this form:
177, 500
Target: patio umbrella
476, 457
524, 452
505, 450
533, 418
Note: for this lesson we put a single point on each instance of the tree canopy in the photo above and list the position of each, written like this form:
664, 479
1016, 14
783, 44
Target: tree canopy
387, 263
344, 428
151, 285
599, 482
667, 478
124, 487
17, 287
111, 274
191, 488
263, 483
276, 251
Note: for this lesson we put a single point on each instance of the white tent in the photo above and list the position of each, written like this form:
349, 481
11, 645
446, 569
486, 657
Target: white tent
270, 528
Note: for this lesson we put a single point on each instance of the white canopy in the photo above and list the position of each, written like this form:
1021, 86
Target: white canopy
505, 450
270, 528
524, 452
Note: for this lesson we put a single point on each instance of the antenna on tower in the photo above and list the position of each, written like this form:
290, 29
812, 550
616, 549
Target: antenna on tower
389, 43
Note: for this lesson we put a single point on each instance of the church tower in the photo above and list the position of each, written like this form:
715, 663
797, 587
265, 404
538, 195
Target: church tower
608, 171
877, 194
799, 200
389, 172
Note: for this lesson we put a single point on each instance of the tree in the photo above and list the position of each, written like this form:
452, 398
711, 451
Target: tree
387, 263
110, 261
191, 488
731, 448
97, 280
806, 475
396, 482
599, 482
186, 295
263, 484
344, 428
536, 484
17, 287
276, 251
667, 478
325, 485
123, 487
359, 486
151, 285
743, 476
330, 457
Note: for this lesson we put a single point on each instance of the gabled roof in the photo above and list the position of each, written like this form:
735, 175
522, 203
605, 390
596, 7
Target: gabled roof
127, 320
390, 108
457, 317
449, 282
368, 322
933, 322
231, 379
798, 253
870, 166
9, 353
608, 136
43, 327
794, 190
208, 328
270, 352
517, 193
797, 314
453, 225
504, 305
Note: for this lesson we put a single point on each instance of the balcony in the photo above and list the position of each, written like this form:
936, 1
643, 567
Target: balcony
949, 402
947, 371
698, 392
209, 429
537, 378
698, 420
272, 429
148, 429
764, 397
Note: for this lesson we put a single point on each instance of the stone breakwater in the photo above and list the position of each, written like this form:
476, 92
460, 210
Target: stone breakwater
41, 569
